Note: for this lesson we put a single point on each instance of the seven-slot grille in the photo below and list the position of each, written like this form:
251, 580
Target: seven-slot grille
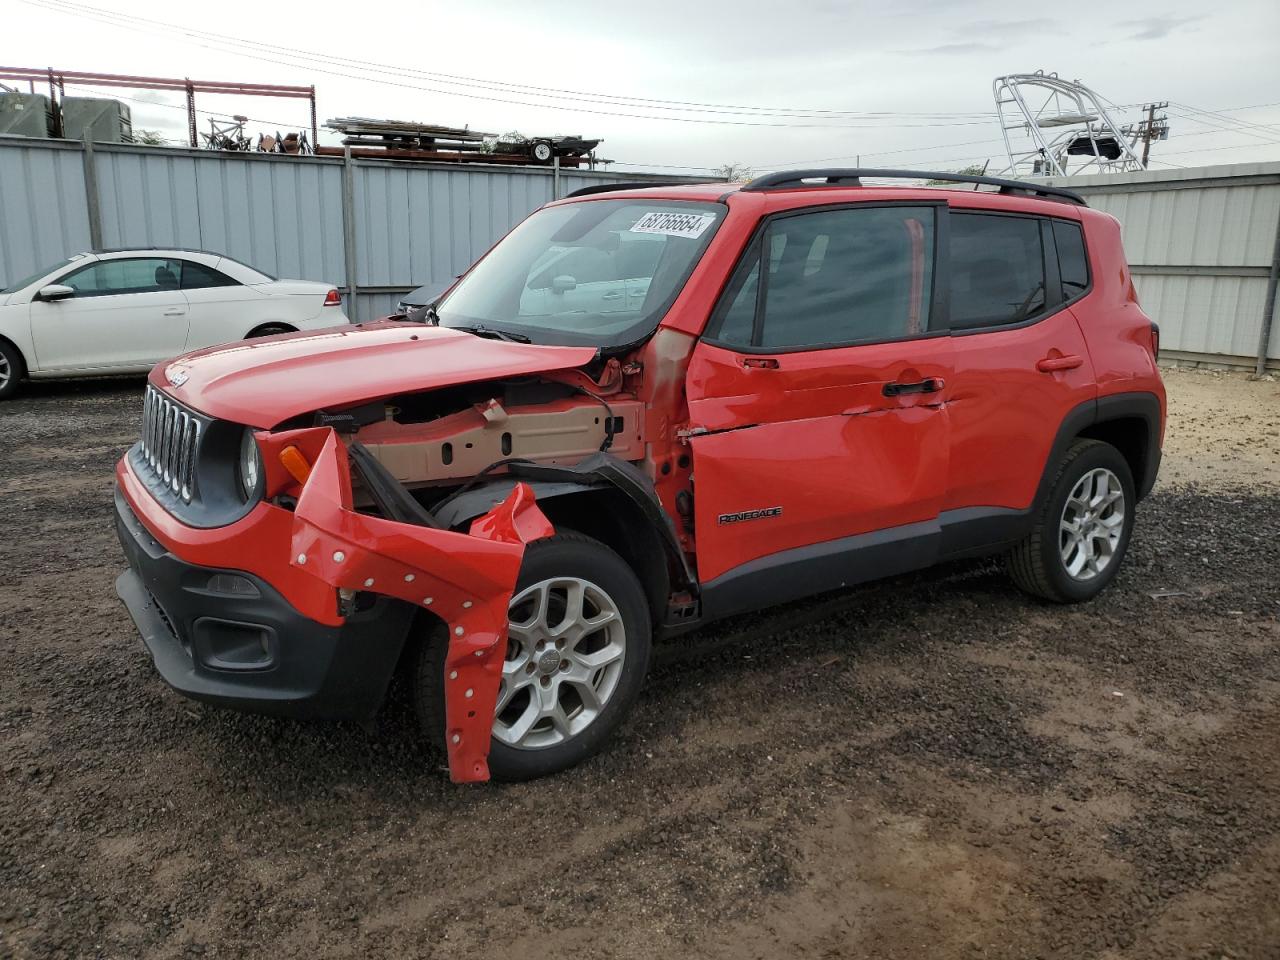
170, 437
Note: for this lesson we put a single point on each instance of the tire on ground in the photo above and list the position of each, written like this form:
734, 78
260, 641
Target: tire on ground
13, 367
1036, 564
571, 555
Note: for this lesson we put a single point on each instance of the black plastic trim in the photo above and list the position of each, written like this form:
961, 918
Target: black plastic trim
314, 670
852, 177
611, 187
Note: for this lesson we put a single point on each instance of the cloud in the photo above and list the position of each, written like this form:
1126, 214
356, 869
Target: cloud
953, 49
1155, 28
1008, 29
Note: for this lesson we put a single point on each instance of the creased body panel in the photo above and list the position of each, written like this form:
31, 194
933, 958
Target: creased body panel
465, 579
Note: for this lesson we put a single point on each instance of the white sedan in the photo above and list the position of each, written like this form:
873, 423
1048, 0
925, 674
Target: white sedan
124, 311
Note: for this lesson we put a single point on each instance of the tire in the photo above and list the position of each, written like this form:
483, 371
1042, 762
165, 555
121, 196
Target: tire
1082, 530
269, 330
12, 369
537, 677
542, 152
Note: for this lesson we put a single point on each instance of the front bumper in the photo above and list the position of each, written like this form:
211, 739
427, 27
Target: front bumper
312, 658
228, 637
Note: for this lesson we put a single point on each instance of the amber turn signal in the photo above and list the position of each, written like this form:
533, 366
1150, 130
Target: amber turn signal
295, 463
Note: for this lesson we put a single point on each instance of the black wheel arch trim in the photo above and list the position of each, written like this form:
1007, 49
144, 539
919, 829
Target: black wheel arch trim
596, 472
1140, 405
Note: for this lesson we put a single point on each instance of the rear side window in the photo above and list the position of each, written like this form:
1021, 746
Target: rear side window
196, 276
1073, 265
997, 270
833, 277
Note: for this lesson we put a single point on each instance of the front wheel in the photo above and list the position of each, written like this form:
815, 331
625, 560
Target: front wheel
11, 370
1083, 529
578, 644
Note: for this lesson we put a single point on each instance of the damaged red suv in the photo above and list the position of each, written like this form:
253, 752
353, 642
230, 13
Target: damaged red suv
642, 410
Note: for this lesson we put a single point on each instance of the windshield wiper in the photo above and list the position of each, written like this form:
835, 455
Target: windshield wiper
480, 330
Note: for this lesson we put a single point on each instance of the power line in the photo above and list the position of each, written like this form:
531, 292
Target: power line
127, 21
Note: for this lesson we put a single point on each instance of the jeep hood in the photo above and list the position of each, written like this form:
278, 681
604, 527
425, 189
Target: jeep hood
264, 382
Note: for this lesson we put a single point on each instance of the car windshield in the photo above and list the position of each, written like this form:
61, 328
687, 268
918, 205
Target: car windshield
25, 281
599, 273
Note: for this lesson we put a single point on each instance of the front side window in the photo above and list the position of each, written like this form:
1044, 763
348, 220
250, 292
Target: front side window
833, 277
114, 277
599, 273
997, 270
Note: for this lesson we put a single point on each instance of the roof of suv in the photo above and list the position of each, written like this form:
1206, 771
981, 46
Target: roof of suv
844, 181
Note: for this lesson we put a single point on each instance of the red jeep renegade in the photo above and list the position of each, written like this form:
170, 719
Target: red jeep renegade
642, 410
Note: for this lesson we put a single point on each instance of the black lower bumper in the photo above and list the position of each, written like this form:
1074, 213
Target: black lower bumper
229, 638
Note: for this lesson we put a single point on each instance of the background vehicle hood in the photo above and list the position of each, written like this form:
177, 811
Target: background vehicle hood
263, 382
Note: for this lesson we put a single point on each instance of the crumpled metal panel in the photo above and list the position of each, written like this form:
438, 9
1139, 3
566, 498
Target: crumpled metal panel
466, 579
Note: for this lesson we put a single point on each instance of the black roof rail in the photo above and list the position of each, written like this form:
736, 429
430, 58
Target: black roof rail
630, 185
837, 177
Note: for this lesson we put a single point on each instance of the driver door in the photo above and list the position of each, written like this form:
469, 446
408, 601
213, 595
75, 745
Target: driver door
817, 403
126, 314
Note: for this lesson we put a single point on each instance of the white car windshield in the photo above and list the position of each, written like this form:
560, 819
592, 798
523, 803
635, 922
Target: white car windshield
26, 281
598, 273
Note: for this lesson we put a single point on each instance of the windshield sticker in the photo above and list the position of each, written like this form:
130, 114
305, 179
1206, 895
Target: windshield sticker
668, 223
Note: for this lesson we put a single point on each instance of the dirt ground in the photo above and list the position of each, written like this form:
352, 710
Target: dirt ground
930, 767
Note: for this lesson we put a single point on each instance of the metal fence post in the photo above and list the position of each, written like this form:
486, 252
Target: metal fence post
349, 258
1269, 311
91, 195
555, 177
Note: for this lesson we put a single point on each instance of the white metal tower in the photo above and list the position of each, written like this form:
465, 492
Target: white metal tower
1055, 127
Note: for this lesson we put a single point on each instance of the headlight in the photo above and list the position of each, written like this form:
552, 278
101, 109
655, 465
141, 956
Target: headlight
250, 465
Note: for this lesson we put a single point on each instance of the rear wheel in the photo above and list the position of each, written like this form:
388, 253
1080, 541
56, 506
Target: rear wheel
577, 650
12, 370
269, 329
1083, 529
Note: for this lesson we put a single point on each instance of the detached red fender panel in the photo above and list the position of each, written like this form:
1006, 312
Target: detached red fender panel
467, 579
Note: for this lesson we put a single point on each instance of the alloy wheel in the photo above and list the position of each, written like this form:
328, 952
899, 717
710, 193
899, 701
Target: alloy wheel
1091, 525
565, 649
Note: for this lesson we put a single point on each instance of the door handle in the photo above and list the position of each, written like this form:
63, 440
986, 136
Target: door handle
760, 363
927, 385
1054, 364
174, 312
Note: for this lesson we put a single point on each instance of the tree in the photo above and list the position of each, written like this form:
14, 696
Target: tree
150, 138
733, 172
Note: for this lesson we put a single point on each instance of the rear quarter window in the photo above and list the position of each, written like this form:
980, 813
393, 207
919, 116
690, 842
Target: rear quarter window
1073, 264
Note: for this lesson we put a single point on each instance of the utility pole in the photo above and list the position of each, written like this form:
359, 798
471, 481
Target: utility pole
1151, 128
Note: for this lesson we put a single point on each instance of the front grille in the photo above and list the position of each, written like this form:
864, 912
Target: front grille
170, 438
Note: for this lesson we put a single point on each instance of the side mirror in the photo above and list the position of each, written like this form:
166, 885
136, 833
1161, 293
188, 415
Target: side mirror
563, 284
55, 291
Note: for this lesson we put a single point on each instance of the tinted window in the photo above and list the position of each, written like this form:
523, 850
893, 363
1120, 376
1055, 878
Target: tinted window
1072, 263
197, 275
997, 269
111, 277
837, 276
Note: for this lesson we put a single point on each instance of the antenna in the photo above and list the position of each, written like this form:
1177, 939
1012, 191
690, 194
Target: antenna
1056, 127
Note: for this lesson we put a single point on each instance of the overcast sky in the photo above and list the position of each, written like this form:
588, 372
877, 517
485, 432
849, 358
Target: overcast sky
910, 81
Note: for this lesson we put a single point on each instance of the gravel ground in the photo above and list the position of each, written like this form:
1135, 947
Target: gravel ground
934, 766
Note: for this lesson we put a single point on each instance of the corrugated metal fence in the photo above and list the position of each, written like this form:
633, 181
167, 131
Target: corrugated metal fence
375, 227
1201, 242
